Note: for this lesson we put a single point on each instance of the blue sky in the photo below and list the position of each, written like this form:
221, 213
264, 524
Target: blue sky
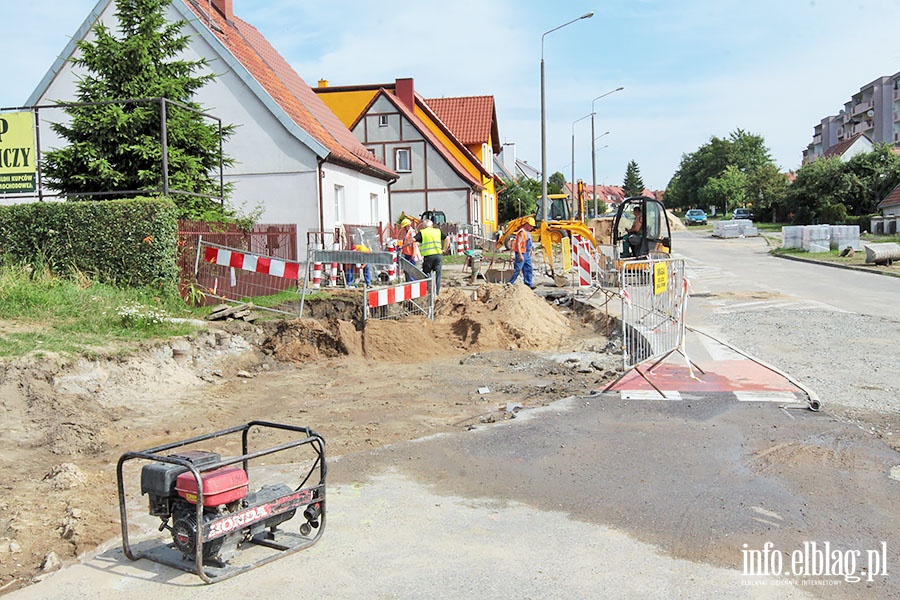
691, 69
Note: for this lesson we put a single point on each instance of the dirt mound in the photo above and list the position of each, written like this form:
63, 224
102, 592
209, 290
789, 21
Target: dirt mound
675, 224
307, 339
494, 317
501, 317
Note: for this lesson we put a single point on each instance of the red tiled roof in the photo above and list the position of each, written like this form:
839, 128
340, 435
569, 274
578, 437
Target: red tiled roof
472, 119
841, 147
892, 199
290, 92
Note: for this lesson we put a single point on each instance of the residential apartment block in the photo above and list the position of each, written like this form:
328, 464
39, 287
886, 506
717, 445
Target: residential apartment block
873, 111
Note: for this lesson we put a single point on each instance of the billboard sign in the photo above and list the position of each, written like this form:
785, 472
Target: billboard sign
18, 162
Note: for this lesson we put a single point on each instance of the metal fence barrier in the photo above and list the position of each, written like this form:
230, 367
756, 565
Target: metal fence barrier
238, 275
401, 300
653, 298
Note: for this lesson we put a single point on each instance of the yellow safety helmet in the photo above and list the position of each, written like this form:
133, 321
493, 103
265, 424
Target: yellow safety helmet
405, 222
530, 221
361, 248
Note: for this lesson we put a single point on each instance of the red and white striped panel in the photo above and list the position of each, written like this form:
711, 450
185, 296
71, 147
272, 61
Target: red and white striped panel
252, 262
581, 252
398, 293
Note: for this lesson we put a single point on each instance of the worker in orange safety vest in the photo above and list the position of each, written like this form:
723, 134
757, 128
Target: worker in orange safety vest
522, 246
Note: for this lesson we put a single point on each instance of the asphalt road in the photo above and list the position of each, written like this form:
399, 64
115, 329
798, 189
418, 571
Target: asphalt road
595, 497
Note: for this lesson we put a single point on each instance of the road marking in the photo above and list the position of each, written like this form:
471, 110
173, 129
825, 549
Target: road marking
766, 396
650, 395
718, 351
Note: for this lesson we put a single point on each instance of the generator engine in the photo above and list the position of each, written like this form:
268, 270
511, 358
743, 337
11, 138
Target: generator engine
231, 515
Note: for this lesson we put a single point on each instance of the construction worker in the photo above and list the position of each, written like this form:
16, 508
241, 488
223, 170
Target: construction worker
522, 245
431, 244
634, 236
409, 247
366, 269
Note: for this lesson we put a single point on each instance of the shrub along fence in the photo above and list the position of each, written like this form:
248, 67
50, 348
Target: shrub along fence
125, 242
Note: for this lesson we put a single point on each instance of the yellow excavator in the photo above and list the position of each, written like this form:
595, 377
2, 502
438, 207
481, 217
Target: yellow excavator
551, 231
612, 237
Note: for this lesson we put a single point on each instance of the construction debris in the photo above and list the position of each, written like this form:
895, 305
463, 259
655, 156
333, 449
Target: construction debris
221, 312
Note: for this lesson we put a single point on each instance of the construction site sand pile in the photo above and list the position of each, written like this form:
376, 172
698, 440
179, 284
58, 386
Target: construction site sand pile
494, 317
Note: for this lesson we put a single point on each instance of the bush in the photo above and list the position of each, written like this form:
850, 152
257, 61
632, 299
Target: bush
125, 242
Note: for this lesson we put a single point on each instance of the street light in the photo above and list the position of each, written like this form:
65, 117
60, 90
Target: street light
573, 157
593, 152
544, 206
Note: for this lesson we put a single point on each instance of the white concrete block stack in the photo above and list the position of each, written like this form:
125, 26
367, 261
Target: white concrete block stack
792, 236
843, 236
726, 229
817, 238
746, 227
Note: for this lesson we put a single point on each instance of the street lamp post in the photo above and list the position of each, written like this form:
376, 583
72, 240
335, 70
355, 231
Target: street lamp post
544, 204
593, 151
594, 165
573, 158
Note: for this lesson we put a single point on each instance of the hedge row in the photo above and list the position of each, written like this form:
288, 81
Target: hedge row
124, 242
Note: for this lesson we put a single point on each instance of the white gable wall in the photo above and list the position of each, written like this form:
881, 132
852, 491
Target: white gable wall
860, 146
431, 183
273, 170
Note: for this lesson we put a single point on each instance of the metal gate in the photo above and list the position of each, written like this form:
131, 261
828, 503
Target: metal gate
653, 300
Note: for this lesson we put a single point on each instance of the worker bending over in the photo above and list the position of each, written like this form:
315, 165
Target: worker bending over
523, 246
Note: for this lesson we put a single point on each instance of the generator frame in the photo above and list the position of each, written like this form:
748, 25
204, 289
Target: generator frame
287, 543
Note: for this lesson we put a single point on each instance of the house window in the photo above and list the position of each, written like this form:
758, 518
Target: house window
382, 120
373, 207
339, 204
401, 160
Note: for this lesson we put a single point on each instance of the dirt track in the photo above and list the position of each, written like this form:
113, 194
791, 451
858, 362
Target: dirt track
65, 423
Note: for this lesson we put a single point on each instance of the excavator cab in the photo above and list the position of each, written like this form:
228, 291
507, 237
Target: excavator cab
558, 209
654, 237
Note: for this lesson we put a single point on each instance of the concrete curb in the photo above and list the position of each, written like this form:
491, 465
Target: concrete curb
835, 265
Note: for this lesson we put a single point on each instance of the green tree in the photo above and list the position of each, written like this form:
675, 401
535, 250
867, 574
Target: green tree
870, 178
814, 195
115, 146
767, 188
741, 150
556, 183
518, 199
633, 185
728, 191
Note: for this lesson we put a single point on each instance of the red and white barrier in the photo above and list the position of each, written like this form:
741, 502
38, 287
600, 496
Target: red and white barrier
334, 268
392, 268
252, 262
582, 259
399, 293
317, 275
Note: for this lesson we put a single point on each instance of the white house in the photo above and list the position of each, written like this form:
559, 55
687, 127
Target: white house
294, 158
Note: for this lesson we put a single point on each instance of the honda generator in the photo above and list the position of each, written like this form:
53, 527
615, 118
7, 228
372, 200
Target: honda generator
205, 505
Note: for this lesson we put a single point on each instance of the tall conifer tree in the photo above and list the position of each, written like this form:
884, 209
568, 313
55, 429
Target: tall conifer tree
115, 146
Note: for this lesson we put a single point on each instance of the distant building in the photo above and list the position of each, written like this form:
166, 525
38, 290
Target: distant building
441, 149
873, 111
889, 221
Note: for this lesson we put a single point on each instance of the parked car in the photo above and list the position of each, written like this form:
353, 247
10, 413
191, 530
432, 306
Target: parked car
695, 216
743, 213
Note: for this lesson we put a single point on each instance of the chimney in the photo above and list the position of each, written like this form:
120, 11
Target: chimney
403, 88
225, 8
323, 83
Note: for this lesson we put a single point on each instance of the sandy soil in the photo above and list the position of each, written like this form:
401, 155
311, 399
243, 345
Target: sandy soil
65, 422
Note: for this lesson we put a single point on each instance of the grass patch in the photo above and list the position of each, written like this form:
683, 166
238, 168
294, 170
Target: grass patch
858, 260
45, 313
